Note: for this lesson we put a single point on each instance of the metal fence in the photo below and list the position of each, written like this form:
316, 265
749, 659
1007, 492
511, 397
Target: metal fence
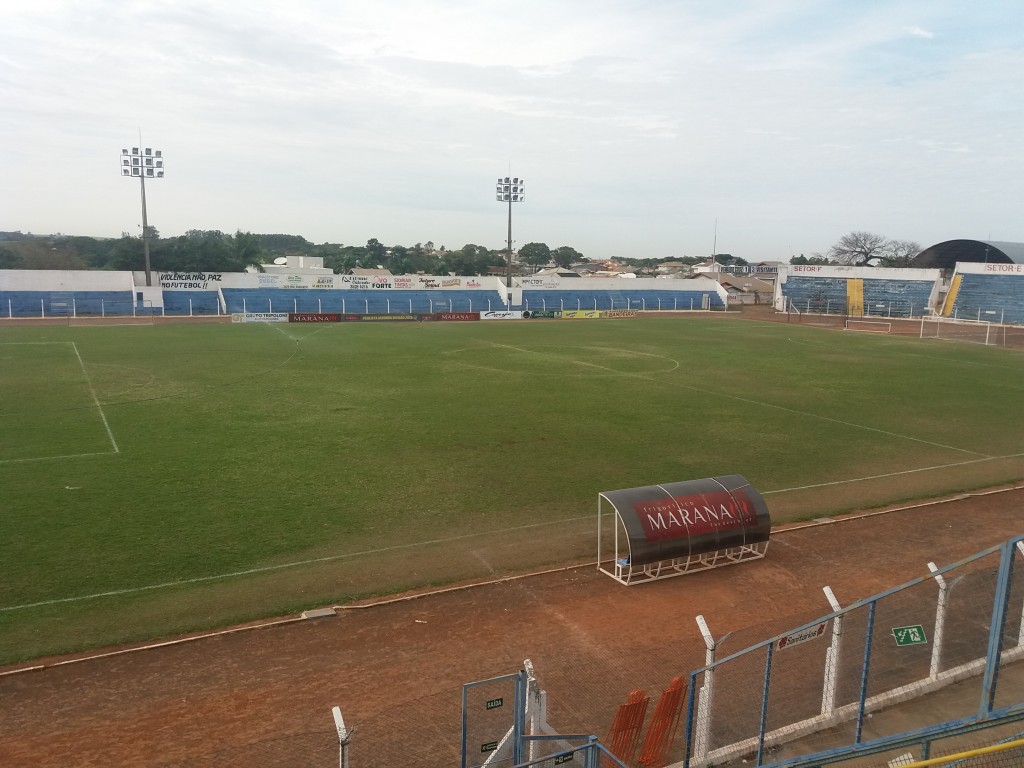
821, 688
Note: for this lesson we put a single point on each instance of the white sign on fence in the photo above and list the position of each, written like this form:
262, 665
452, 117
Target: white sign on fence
803, 636
509, 315
259, 317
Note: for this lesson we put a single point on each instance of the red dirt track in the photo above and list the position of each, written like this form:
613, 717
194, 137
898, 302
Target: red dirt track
254, 697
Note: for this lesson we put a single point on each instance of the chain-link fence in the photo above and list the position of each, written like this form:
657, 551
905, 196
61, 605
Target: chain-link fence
837, 681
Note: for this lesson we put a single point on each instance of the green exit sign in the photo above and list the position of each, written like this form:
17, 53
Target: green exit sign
912, 635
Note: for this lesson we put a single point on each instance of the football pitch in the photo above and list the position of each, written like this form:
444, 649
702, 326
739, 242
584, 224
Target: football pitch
160, 479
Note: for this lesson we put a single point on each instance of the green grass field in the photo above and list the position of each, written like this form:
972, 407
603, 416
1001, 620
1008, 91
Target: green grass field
156, 479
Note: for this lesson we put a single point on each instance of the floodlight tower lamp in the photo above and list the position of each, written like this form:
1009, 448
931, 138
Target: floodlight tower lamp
143, 163
510, 190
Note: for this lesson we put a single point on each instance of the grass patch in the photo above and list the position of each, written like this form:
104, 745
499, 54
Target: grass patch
247, 449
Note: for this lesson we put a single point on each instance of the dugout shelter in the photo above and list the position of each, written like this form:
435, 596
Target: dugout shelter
672, 529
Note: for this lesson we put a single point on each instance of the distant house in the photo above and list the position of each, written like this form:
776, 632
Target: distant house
557, 272
297, 264
744, 284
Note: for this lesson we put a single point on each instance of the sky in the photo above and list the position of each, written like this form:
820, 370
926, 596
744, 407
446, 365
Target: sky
643, 128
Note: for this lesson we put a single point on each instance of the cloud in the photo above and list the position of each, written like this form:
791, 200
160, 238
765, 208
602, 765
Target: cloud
918, 32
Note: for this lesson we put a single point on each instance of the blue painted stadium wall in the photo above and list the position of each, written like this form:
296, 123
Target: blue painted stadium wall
886, 297
995, 298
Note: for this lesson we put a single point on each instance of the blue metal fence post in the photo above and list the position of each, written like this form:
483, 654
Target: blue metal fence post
519, 720
864, 670
688, 731
995, 635
465, 722
764, 704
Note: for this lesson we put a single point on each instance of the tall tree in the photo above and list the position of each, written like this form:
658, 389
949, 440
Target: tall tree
535, 254
899, 253
565, 256
858, 249
376, 250
247, 251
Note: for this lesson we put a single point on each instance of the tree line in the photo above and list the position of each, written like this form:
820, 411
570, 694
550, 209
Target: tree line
216, 251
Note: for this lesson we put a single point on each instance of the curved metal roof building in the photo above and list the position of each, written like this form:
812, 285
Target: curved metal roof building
946, 255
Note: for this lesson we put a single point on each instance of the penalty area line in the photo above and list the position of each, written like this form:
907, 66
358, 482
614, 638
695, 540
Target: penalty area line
54, 458
95, 399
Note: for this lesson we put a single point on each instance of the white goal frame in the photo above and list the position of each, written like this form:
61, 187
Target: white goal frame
968, 331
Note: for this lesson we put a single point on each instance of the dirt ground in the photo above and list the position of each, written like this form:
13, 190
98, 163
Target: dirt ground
264, 696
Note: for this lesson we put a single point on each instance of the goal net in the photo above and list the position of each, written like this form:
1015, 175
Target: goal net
971, 331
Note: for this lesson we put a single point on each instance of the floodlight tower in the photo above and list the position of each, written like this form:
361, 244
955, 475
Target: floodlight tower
510, 190
143, 163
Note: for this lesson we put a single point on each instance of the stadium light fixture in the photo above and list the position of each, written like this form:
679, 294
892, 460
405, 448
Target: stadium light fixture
510, 190
143, 163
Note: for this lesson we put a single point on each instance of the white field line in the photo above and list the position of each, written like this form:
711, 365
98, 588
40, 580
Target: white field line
895, 474
69, 455
462, 537
282, 566
54, 458
753, 402
95, 399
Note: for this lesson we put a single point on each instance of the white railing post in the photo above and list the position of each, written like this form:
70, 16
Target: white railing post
830, 687
342, 303
244, 310
366, 305
319, 307
704, 694
74, 307
295, 304
940, 622
42, 308
344, 738
388, 300
190, 307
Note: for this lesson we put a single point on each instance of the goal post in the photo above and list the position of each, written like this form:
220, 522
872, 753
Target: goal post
969, 331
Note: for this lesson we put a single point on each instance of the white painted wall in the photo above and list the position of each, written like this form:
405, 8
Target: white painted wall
65, 280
